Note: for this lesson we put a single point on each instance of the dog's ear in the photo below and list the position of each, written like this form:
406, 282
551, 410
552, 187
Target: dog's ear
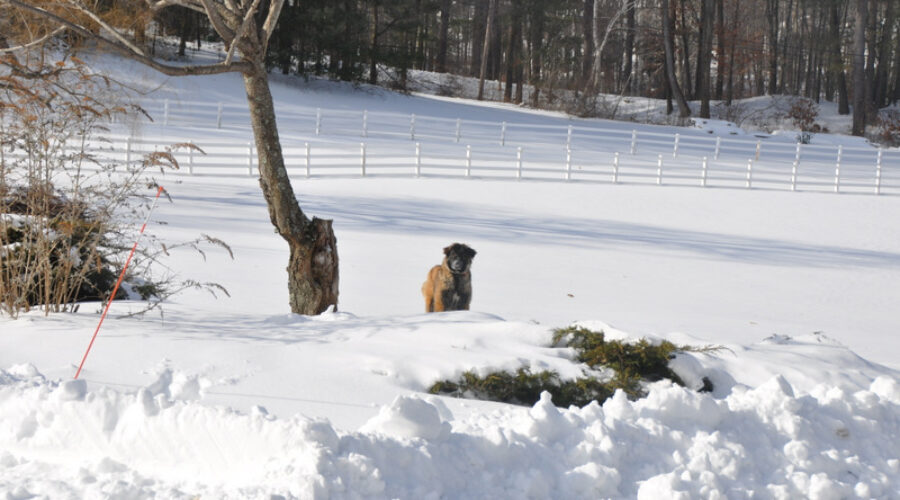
470, 252
447, 250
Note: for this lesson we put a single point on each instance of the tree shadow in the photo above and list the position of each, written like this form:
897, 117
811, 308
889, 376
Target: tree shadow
478, 222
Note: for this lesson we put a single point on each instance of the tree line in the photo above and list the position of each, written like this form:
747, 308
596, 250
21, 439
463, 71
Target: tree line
844, 51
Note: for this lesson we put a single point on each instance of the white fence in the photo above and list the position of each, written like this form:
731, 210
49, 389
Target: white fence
320, 142
842, 172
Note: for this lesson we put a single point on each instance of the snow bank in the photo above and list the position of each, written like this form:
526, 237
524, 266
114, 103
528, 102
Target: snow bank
61, 440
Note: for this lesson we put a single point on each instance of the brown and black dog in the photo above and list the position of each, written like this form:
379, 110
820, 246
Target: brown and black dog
449, 285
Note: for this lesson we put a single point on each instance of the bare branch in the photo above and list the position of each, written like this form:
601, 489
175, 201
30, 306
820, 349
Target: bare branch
220, 24
115, 34
246, 22
207, 69
34, 43
271, 21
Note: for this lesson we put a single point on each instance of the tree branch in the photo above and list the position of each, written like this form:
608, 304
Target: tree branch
207, 69
271, 20
115, 34
240, 33
34, 43
220, 25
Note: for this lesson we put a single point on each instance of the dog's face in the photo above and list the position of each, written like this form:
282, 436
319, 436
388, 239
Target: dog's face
459, 257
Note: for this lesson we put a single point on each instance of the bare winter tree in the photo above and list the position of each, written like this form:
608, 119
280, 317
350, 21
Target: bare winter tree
246, 27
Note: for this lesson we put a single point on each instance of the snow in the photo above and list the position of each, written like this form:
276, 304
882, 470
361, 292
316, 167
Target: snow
236, 398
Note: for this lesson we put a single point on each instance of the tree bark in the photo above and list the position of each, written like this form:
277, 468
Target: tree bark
668, 20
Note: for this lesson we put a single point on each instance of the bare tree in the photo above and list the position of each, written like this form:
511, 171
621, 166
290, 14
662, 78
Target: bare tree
246, 30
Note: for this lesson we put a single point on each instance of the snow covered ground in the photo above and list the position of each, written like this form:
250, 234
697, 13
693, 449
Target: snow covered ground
236, 398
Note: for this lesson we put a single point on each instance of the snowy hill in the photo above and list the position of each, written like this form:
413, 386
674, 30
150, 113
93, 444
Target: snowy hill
236, 398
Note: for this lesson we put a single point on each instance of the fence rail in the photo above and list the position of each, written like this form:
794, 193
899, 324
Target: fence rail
309, 159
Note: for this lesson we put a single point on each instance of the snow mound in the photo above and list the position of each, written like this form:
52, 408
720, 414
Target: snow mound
676, 443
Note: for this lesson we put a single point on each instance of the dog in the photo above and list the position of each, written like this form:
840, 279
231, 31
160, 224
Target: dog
449, 285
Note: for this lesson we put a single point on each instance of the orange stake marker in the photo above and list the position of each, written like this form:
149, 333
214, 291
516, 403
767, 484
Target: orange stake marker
118, 282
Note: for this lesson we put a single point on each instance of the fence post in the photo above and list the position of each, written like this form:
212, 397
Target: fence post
458, 129
412, 127
878, 173
250, 158
633, 141
166, 112
794, 176
468, 160
418, 158
365, 123
219, 116
569, 138
306, 145
568, 163
503, 134
362, 157
318, 120
795, 167
837, 170
703, 171
718, 145
519, 163
659, 171
758, 148
616, 168
675, 149
749, 172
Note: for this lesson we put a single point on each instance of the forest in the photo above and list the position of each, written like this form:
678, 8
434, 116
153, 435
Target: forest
844, 51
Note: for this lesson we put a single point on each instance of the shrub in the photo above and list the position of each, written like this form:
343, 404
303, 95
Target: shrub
632, 365
803, 113
67, 217
888, 123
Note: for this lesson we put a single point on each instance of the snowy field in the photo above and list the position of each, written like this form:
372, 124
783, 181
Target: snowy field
237, 398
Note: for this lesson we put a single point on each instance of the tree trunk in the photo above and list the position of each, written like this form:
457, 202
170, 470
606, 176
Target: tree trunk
373, 54
587, 56
441, 66
772, 18
536, 36
704, 56
629, 46
884, 58
313, 265
513, 57
485, 50
478, 28
859, 67
720, 56
668, 20
687, 86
